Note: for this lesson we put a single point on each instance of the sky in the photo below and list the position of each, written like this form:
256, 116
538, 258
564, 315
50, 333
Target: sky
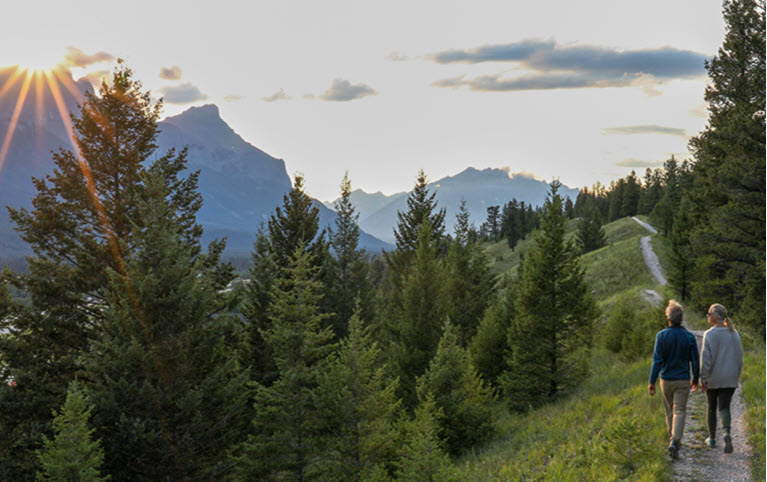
580, 91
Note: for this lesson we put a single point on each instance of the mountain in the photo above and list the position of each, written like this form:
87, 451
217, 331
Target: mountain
30, 128
480, 189
240, 184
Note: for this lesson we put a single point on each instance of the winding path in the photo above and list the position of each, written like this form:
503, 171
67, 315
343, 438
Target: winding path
697, 461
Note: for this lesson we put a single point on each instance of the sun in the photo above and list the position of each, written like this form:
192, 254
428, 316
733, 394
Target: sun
39, 60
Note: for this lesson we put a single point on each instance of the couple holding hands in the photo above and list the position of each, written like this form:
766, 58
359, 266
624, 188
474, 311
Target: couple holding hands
717, 368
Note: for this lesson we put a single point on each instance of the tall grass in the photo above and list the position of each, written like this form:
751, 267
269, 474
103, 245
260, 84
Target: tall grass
607, 429
752, 386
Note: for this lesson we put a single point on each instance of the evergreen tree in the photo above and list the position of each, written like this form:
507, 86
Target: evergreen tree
727, 199
489, 347
72, 454
550, 336
422, 208
287, 440
464, 402
493, 223
359, 407
263, 274
629, 199
419, 310
349, 279
294, 224
80, 228
168, 401
422, 457
590, 234
470, 281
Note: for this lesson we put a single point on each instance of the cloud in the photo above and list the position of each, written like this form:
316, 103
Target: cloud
77, 58
170, 73
638, 164
549, 65
343, 91
182, 94
397, 57
645, 129
233, 98
279, 95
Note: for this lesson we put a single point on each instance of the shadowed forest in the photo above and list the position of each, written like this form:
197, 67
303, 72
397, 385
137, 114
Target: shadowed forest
130, 351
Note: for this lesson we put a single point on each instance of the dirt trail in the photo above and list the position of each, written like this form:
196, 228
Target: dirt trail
697, 461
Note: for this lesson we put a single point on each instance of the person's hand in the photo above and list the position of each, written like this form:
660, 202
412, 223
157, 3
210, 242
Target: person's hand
704, 387
694, 386
651, 389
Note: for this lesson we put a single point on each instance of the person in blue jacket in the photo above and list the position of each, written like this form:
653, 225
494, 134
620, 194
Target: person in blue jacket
674, 357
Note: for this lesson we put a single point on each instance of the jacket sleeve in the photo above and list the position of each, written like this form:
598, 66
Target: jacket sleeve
695, 360
657, 359
705, 358
739, 352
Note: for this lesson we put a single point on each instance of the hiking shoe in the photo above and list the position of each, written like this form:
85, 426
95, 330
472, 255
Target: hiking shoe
727, 444
710, 442
673, 450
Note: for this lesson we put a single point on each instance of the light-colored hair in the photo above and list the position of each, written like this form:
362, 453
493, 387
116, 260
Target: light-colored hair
674, 312
721, 312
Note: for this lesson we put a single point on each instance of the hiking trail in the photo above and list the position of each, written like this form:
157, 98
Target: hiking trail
696, 460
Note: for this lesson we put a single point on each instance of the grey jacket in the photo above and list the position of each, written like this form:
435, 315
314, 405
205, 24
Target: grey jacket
721, 358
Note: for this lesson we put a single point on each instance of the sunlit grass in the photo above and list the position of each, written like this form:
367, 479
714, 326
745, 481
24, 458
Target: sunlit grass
752, 386
608, 429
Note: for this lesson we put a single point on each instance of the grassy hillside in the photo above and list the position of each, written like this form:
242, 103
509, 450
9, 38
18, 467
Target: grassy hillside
609, 428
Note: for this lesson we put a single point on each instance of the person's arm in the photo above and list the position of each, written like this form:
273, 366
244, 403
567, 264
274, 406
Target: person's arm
657, 364
705, 360
695, 360
739, 353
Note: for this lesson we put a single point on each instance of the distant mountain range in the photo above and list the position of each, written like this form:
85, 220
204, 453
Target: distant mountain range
479, 188
240, 184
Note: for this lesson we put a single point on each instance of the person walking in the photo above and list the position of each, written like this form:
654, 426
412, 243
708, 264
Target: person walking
721, 361
674, 356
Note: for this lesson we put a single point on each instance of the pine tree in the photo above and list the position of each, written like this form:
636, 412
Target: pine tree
489, 347
80, 228
287, 440
728, 195
422, 208
72, 454
464, 402
294, 224
419, 310
422, 457
358, 404
349, 275
470, 281
550, 336
590, 234
168, 402
262, 278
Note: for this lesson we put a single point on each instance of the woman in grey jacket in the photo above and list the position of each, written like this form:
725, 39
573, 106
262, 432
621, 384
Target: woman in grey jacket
721, 360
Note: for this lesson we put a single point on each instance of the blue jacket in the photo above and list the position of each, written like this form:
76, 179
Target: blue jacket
675, 350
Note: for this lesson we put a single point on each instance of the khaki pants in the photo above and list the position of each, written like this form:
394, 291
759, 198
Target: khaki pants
675, 393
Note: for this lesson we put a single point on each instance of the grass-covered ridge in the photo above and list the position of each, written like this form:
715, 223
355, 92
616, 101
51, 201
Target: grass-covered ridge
608, 428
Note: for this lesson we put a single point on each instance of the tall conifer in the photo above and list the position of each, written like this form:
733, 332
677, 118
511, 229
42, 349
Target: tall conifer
287, 440
550, 336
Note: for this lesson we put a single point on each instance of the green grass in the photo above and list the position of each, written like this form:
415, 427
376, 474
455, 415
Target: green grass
617, 268
608, 429
752, 386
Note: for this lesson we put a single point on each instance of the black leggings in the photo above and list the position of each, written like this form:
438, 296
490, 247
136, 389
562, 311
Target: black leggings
719, 398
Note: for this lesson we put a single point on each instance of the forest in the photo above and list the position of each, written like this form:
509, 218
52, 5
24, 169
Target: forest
128, 353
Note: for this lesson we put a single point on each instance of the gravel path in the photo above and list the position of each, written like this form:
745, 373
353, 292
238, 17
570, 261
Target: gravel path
697, 461
650, 258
